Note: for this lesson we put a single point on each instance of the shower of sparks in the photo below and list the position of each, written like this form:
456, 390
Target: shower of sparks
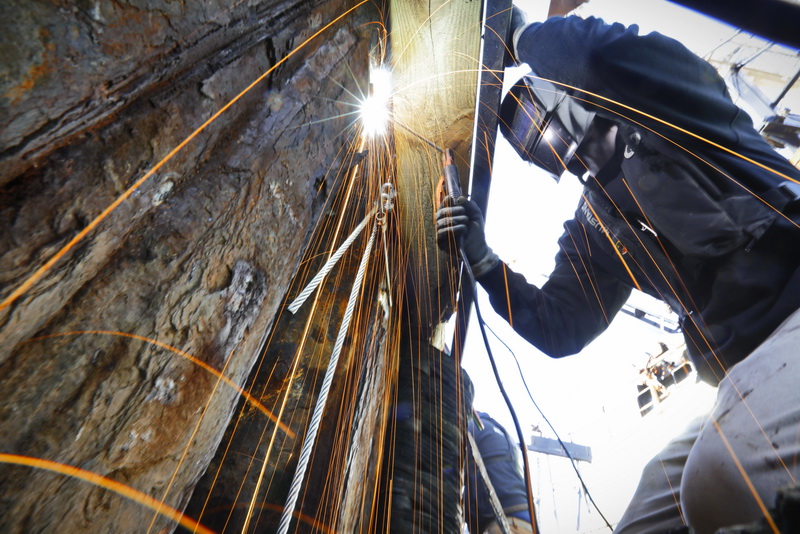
375, 113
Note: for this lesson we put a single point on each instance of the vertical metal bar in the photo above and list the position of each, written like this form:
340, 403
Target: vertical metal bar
786, 89
497, 20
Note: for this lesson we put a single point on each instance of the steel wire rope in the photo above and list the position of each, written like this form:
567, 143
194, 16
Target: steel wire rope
313, 429
292, 372
323, 272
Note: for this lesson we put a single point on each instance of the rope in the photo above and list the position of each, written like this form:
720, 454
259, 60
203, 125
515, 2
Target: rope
387, 203
382, 208
316, 418
301, 298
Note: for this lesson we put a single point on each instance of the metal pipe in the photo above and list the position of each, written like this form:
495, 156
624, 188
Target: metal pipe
786, 89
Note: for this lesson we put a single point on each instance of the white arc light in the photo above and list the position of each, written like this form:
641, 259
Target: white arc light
375, 109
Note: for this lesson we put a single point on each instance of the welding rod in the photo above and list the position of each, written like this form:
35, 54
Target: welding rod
418, 136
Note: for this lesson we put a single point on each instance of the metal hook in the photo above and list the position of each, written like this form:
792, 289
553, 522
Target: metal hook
387, 196
387, 202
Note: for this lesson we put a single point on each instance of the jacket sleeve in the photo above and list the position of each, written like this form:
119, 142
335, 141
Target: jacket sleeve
652, 74
570, 310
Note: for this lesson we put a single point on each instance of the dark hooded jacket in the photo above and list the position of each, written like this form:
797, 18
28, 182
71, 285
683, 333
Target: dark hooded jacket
690, 209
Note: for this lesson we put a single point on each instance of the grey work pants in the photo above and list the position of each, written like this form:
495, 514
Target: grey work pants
725, 468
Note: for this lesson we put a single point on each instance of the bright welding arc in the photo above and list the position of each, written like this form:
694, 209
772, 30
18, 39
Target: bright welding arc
375, 108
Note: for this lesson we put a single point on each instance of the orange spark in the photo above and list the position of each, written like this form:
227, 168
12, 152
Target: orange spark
746, 479
252, 400
28, 283
109, 484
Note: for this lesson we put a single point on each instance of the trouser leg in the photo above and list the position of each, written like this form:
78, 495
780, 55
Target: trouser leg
655, 504
751, 445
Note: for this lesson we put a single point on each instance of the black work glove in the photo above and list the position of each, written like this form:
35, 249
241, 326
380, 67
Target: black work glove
462, 223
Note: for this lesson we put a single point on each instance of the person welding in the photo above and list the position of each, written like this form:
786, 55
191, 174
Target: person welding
684, 200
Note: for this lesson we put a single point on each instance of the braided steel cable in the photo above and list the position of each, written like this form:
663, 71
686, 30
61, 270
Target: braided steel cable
319, 409
301, 298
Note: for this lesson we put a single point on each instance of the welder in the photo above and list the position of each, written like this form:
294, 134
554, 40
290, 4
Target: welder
697, 210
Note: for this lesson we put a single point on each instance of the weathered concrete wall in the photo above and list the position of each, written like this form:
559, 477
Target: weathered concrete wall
92, 95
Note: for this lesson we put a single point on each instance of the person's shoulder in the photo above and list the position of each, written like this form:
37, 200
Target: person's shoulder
574, 23
573, 34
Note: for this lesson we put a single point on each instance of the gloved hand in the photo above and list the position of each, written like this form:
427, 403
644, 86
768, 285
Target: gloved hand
462, 223
518, 21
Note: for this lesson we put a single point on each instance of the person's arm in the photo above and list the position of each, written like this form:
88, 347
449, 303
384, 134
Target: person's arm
570, 310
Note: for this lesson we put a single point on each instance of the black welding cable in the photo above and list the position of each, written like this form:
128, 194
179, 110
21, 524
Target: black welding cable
520, 436
546, 420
